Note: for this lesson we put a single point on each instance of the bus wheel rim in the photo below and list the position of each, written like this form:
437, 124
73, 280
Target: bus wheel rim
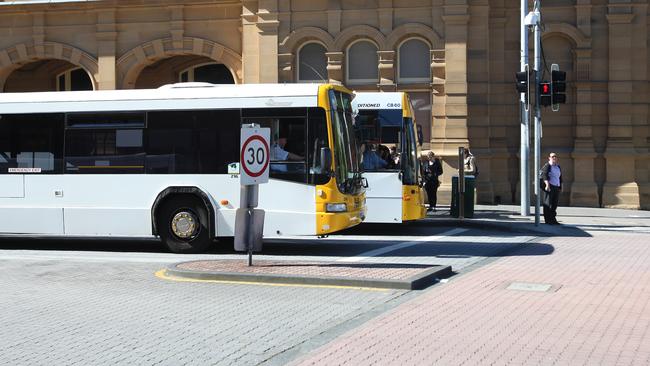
185, 225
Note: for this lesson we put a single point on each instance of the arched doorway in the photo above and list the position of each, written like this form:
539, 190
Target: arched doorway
47, 75
183, 69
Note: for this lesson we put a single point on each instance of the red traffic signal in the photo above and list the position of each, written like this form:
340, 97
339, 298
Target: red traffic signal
544, 93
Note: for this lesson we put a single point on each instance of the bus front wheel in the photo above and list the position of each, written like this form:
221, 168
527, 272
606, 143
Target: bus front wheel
182, 223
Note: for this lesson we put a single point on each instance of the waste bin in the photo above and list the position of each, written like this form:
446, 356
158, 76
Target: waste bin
468, 205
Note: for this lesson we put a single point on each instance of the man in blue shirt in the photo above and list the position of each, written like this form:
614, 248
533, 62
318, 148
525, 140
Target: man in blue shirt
551, 176
371, 161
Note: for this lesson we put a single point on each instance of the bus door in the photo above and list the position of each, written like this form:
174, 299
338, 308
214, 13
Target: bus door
30, 157
379, 130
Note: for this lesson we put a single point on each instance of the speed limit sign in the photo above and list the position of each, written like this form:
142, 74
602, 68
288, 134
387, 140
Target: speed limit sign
255, 155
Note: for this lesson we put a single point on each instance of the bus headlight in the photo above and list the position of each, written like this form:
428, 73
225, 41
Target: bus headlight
336, 207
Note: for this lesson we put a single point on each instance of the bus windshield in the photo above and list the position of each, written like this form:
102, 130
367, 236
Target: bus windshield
347, 173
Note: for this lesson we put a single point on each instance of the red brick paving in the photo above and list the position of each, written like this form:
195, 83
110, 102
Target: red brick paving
599, 315
312, 269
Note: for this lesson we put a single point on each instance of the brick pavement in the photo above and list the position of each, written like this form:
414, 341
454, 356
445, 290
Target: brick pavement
308, 268
596, 313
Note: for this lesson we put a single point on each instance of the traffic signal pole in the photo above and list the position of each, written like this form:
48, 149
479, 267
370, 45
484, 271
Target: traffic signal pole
525, 124
538, 110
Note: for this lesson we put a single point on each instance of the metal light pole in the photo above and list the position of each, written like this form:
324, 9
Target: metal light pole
538, 111
525, 125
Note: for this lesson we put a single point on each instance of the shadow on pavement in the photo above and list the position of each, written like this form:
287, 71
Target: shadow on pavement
443, 249
490, 227
85, 244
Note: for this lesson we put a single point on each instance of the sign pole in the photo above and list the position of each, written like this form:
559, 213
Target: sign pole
461, 182
538, 110
525, 118
255, 157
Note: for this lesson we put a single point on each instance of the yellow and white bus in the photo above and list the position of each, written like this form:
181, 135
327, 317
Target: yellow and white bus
165, 162
385, 128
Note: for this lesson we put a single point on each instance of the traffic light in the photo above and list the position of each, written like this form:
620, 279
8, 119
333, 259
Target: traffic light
544, 93
522, 81
558, 86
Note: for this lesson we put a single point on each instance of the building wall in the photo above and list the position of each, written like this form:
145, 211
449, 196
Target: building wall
601, 135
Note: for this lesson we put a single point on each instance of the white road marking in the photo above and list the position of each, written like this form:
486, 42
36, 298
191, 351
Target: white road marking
373, 253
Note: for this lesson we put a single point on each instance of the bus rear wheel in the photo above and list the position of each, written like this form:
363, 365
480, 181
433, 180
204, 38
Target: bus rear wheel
182, 223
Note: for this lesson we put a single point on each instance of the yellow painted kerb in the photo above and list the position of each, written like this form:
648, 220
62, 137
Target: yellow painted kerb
162, 274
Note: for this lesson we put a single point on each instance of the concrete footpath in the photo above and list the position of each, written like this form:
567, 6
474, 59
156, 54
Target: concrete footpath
508, 217
587, 302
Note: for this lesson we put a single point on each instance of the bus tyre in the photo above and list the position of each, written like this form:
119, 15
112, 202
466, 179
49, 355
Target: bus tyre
182, 224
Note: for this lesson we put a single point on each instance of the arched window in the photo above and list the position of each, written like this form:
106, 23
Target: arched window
362, 63
414, 62
208, 73
73, 79
312, 63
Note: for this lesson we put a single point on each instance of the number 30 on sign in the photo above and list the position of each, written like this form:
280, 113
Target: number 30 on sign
254, 155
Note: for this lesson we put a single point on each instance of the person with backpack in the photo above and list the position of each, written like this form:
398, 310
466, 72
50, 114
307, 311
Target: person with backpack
551, 182
431, 172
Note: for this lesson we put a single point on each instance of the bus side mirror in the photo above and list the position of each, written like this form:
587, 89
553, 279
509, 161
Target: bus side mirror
325, 159
420, 135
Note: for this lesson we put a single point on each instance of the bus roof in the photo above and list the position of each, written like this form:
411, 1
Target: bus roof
169, 97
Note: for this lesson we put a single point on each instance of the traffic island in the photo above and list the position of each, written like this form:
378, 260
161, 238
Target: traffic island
340, 274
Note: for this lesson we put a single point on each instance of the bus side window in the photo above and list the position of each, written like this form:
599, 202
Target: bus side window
192, 142
31, 141
105, 143
287, 143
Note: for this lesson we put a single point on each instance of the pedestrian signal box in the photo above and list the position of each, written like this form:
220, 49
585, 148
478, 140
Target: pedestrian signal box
558, 86
544, 93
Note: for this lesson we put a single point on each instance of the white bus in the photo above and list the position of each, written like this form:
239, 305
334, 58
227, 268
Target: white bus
385, 127
165, 162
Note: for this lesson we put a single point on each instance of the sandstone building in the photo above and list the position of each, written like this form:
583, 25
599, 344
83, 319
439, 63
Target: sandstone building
456, 58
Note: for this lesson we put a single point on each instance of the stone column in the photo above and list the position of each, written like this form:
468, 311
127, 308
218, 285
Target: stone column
386, 71
268, 25
438, 100
250, 42
334, 13
621, 189
38, 33
451, 131
106, 77
335, 67
286, 71
449, 103
584, 189
385, 16
641, 117
499, 169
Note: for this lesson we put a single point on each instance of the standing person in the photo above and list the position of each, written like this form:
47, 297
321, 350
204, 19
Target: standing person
551, 176
431, 171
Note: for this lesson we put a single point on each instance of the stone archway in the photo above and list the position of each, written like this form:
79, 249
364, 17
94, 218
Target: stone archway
414, 30
16, 56
298, 37
134, 61
356, 32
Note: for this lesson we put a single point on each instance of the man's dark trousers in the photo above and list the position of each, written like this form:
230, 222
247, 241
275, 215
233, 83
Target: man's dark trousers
551, 199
